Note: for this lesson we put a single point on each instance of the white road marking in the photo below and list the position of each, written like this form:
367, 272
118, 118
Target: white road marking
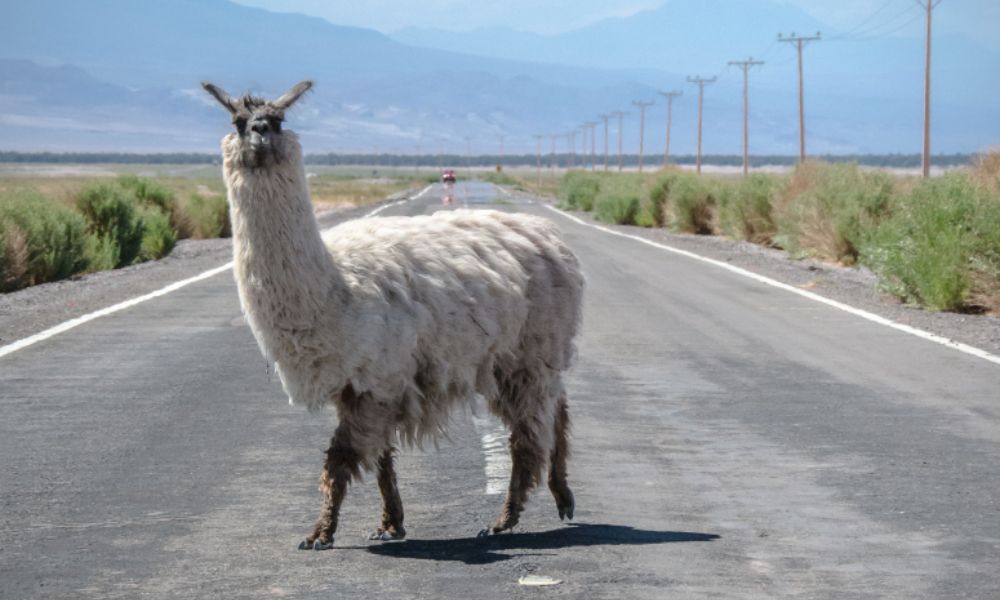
397, 203
493, 435
971, 350
173, 287
67, 325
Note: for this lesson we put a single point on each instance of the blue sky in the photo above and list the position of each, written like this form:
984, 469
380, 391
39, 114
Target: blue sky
980, 19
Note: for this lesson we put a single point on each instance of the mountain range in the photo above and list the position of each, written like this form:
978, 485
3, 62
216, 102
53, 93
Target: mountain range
122, 75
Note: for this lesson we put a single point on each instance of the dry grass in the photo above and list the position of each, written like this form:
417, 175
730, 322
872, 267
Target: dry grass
338, 190
986, 171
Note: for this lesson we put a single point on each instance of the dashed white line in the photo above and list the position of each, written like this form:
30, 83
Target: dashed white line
493, 437
864, 314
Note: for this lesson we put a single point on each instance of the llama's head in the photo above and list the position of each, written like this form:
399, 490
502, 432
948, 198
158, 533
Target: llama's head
258, 140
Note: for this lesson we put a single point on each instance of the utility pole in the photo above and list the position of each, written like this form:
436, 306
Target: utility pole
538, 159
552, 154
746, 65
572, 149
593, 136
670, 109
800, 41
642, 126
583, 146
925, 161
619, 114
468, 154
701, 81
605, 118
501, 149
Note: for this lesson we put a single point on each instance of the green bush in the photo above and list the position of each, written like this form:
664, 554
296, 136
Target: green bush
693, 204
653, 212
745, 209
618, 208
941, 247
158, 237
40, 241
148, 192
578, 190
112, 216
833, 205
208, 215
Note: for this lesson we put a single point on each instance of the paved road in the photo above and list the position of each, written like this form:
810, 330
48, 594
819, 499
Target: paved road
731, 441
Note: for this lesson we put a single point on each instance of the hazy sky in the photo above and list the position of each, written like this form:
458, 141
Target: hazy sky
977, 18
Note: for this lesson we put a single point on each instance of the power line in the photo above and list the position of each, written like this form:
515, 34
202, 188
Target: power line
862, 23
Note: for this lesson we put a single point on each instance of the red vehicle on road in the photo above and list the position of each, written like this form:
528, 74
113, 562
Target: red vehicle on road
448, 176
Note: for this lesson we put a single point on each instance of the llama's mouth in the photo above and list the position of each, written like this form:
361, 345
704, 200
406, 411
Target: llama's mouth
259, 141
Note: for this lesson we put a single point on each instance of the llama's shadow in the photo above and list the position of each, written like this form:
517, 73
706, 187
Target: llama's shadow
477, 551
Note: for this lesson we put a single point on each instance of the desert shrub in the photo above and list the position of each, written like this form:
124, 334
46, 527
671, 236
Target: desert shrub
826, 208
148, 192
13, 256
617, 208
158, 236
578, 190
112, 216
745, 209
941, 247
501, 178
693, 204
208, 215
40, 240
986, 171
653, 212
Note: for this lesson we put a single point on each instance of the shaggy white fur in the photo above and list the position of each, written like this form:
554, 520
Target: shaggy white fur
415, 314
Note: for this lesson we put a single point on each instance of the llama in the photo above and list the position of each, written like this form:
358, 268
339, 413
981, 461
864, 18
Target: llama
395, 321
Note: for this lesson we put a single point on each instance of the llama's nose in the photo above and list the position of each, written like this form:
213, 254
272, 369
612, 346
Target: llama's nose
260, 135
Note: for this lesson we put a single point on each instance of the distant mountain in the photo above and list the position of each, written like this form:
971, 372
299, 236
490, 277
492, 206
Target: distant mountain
122, 75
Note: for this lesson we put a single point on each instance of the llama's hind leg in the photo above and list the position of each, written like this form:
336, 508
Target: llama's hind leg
392, 505
342, 465
527, 461
557, 463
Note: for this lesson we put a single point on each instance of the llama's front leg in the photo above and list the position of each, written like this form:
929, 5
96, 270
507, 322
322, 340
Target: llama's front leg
527, 460
342, 464
392, 505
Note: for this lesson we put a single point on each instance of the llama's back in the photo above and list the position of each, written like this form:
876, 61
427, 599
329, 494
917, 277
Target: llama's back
473, 291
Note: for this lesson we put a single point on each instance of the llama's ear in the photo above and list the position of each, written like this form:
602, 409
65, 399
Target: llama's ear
219, 94
292, 95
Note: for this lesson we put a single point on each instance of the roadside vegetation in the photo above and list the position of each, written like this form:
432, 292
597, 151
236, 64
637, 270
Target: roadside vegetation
52, 228
933, 243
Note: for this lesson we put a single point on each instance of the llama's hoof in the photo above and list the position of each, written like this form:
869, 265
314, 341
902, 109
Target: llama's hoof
315, 545
486, 532
566, 512
384, 535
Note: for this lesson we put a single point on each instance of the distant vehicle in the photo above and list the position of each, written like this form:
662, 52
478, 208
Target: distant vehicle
448, 176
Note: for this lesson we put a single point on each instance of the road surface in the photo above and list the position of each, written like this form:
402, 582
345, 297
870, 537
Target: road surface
731, 440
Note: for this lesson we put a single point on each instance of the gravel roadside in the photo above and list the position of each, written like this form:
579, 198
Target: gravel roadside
856, 286
35, 309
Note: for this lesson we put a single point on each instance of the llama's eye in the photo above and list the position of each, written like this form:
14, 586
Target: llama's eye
240, 123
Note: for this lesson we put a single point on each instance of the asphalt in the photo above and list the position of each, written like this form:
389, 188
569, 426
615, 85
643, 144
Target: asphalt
731, 440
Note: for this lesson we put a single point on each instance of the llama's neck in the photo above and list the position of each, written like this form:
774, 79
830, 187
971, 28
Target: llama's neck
282, 265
